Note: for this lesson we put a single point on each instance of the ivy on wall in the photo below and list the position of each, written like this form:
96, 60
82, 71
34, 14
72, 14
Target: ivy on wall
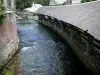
1, 11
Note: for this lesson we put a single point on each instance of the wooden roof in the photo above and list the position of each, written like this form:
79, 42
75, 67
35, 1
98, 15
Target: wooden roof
85, 16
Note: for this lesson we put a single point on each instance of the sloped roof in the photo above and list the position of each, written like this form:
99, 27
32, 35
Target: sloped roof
85, 16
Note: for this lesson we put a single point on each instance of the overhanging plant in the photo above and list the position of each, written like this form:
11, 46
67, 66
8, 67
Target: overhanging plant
1, 12
83, 1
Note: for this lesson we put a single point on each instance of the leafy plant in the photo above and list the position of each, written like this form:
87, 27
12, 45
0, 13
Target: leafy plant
22, 4
1, 11
83, 1
9, 73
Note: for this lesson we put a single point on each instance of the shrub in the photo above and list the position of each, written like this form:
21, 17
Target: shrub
1, 11
83, 1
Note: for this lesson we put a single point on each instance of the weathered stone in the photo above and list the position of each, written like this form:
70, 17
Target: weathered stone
85, 16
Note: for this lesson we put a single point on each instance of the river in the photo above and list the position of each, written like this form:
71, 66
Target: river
43, 52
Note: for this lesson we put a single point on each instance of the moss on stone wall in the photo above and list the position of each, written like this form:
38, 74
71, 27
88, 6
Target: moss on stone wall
1, 11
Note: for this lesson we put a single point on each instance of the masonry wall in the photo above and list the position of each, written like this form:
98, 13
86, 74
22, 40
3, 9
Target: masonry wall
84, 45
8, 38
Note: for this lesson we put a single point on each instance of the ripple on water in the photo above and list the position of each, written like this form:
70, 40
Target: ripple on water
44, 57
42, 53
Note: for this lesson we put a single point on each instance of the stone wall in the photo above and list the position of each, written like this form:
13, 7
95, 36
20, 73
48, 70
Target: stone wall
8, 39
84, 45
85, 16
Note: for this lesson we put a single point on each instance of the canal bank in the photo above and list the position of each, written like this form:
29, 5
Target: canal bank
78, 44
79, 27
9, 41
43, 52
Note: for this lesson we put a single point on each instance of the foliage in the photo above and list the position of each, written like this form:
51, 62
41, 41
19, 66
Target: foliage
43, 2
1, 8
1, 11
9, 73
83, 1
1, 19
22, 4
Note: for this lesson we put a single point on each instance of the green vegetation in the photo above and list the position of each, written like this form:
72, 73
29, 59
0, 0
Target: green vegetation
22, 4
43, 2
83, 1
9, 73
1, 11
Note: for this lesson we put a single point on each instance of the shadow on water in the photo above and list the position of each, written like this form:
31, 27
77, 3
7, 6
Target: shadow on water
71, 65
43, 52
47, 31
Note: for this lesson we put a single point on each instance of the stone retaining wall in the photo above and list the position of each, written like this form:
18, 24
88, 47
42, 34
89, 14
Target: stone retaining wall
84, 45
9, 40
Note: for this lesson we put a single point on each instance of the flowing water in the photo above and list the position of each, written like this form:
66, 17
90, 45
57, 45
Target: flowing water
43, 52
